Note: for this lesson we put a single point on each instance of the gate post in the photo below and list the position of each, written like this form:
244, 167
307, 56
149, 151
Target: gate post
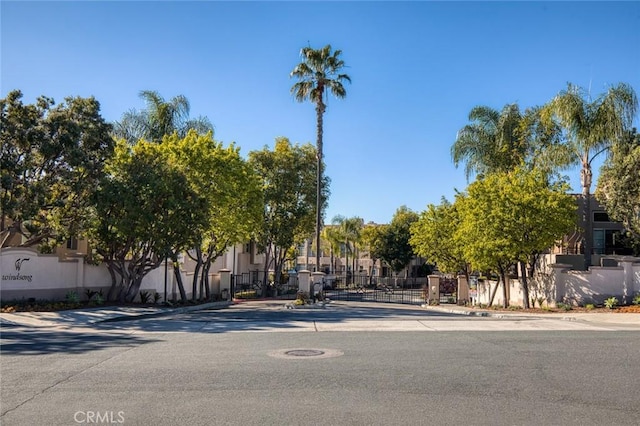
225, 283
317, 285
463, 290
433, 294
304, 283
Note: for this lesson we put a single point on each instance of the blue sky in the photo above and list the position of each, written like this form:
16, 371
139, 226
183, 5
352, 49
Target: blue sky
417, 69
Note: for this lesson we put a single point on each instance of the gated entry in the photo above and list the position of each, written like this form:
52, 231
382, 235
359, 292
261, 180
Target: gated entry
377, 289
359, 289
254, 284
448, 289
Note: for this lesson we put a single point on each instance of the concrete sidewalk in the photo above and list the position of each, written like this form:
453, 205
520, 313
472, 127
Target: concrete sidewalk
92, 316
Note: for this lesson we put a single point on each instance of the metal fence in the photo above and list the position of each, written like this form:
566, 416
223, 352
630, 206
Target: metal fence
257, 284
361, 288
358, 288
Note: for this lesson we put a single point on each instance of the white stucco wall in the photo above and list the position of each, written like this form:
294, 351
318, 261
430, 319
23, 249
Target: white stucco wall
26, 274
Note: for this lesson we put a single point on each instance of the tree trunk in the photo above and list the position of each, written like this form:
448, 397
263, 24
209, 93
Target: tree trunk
505, 292
270, 255
332, 266
346, 266
134, 287
178, 275
196, 276
319, 112
205, 281
112, 289
524, 284
585, 180
493, 292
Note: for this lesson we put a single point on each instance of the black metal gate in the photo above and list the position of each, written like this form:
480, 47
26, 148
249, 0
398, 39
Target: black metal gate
448, 290
376, 289
257, 284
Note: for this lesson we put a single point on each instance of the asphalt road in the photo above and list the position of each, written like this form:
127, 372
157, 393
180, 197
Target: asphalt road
362, 366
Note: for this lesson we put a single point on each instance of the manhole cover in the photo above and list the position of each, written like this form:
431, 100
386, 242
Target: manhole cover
304, 352
299, 353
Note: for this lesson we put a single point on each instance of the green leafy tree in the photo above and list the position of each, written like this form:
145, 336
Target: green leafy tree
395, 249
145, 209
433, 237
319, 72
159, 118
51, 158
288, 184
506, 217
501, 141
618, 186
233, 197
589, 128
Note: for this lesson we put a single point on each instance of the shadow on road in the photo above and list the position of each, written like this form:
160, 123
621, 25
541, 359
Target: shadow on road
24, 341
248, 317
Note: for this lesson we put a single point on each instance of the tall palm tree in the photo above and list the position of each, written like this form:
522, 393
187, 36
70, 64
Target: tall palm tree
348, 231
492, 142
160, 118
319, 71
333, 239
590, 128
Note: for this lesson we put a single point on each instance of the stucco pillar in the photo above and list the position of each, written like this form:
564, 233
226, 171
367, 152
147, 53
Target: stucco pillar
628, 285
558, 284
463, 290
304, 281
317, 279
225, 284
433, 295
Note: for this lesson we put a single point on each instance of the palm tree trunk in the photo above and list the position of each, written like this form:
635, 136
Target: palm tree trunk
585, 180
320, 112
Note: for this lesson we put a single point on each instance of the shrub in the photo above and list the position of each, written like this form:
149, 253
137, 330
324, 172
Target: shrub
98, 299
246, 294
589, 306
611, 302
90, 293
564, 306
636, 299
144, 296
72, 297
302, 298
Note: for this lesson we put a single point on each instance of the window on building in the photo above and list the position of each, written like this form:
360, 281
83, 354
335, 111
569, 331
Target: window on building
601, 217
609, 241
72, 243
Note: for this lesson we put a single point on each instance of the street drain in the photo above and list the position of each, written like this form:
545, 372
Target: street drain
299, 353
